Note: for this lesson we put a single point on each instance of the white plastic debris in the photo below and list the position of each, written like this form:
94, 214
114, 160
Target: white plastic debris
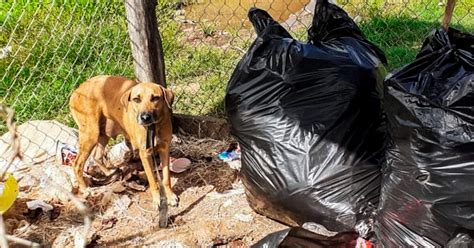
62, 176
35, 204
170, 244
215, 195
5, 51
227, 203
72, 237
119, 154
243, 217
120, 205
235, 164
317, 228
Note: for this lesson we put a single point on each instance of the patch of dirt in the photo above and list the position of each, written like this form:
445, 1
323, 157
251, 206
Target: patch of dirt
213, 210
195, 35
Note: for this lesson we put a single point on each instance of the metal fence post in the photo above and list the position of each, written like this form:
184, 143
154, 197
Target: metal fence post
145, 41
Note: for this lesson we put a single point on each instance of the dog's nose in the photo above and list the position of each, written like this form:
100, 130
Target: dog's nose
145, 117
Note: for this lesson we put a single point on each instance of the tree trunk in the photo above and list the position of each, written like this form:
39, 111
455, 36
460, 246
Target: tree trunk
145, 41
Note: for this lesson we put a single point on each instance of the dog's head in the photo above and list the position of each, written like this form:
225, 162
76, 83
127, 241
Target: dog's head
149, 101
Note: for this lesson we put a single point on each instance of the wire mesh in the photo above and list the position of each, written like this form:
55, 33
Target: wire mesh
49, 47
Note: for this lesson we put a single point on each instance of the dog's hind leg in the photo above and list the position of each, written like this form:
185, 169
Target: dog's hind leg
99, 154
88, 138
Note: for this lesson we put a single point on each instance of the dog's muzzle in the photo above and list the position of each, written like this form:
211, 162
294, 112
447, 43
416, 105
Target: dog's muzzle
146, 119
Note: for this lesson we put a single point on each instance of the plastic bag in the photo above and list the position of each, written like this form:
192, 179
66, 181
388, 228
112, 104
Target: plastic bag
300, 237
309, 121
427, 197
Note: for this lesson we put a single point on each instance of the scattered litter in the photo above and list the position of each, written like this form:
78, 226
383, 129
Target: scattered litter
232, 156
178, 165
60, 175
235, 164
107, 223
319, 229
232, 153
5, 51
66, 154
363, 243
170, 244
121, 204
8, 193
227, 203
117, 187
107, 198
119, 154
176, 140
73, 237
244, 217
39, 204
135, 186
215, 195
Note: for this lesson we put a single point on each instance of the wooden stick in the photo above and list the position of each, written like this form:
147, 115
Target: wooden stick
3, 235
448, 13
21, 241
145, 41
8, 114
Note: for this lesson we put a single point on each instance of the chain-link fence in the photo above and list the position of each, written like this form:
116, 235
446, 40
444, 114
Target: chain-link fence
49, 47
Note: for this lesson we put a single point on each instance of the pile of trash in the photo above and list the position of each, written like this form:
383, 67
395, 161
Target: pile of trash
48, 149
45, 147
347, 155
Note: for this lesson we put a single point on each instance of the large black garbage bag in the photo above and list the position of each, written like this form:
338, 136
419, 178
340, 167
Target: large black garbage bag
427, 196
299, 237
309, 121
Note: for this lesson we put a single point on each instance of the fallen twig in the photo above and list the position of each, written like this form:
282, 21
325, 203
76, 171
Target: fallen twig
3, 237
7, 114
21, 241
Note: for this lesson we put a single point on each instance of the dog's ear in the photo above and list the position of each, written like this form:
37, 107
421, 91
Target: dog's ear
168, 95
125, 98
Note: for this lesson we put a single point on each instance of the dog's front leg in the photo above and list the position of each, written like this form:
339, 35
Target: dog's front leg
145, 156
164, 152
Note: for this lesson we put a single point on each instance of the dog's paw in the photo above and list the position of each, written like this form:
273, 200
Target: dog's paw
156, 204
172, 199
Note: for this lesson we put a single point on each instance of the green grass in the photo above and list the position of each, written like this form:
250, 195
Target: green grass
400, 27
58, 44
55, 46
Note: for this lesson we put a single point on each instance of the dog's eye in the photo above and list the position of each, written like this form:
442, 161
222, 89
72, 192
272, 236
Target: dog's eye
137, 99
155, 98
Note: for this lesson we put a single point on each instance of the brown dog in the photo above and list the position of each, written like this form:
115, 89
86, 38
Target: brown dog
106, 106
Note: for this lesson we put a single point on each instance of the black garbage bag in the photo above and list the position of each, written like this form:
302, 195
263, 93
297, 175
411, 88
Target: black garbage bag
427, 197
299, 237
309, 121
